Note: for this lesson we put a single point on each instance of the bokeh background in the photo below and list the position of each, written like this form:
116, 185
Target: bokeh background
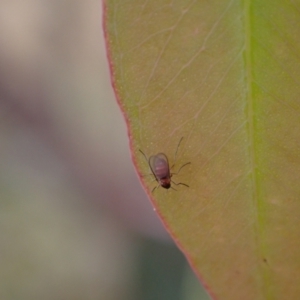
75, 222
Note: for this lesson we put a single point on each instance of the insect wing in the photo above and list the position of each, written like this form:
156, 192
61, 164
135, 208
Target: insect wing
159, 165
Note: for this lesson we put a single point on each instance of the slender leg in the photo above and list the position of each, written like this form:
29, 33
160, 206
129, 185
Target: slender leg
155, 188
144, 155
188, 163
180, 183
147, 162
175, 156
177, 149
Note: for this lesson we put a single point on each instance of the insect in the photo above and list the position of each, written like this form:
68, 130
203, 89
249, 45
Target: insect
159, 165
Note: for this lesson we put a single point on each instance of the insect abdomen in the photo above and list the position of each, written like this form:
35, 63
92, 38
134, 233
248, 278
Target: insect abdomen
161, 169
160, 166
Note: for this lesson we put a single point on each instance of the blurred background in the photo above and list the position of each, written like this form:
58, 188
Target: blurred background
75, 222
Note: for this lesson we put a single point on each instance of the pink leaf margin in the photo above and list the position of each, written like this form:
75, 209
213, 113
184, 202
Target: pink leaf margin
130, 136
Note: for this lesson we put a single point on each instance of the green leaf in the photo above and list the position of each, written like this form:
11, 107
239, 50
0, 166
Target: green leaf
225, 76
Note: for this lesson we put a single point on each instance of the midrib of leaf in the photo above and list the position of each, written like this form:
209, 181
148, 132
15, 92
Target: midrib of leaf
253, 147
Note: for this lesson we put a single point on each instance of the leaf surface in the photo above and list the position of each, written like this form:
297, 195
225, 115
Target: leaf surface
225, 76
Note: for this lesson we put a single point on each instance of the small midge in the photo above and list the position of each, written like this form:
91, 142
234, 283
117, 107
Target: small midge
160, 168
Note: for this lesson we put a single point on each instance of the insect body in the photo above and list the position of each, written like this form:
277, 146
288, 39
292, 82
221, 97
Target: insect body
160, 168
159, 165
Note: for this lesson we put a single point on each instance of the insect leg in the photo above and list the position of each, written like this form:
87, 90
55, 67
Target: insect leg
175, 156
155, 188
177, 149
146, 161
180, 183
188, 163
144, 154
154, 179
